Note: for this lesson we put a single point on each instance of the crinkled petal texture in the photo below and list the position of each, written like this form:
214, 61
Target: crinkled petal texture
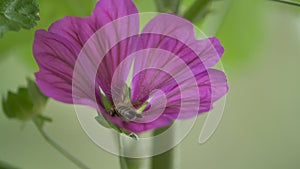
164, 65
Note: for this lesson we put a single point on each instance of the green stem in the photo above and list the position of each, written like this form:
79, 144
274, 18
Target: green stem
219, 20
197, 10
126, 162
165, 160
60, 149
288, 2
168, 159
129, 163
171, 6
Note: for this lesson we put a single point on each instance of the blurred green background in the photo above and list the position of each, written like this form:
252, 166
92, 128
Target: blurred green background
260, 126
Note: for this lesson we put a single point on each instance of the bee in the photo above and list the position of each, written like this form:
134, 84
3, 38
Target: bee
124, 112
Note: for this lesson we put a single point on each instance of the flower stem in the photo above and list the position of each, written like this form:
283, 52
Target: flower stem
165, 160
126, 162
130, 163
60, 149
168, 6
288, 2
168, 159
197, 11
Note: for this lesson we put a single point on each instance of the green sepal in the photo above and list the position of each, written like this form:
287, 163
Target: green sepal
102, 121
18, 105
107, 124
127, 93
28, 103
41, 120
106, 103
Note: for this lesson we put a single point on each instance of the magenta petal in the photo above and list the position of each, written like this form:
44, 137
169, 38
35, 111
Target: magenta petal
48, 45
217, 46
209, 50
107, 11
78, 30
56, 57
178, 57
178, 79
211, 84
139, 127
70, 28
58, 89
111, 22
218, 83
112, 60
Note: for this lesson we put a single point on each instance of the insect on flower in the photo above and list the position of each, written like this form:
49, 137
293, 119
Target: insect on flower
124, 112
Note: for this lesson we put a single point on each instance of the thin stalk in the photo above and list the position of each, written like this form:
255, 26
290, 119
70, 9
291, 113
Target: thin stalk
126, 162
171, 6
221, 17
165, 160
288, 2
61, 149
197, 10
129, 163
169, 159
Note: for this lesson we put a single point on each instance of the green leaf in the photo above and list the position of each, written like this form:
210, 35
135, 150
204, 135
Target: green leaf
17, 44
169, 6
6, 166
197, 11
26, 104
17, 14
35, 94
18, 105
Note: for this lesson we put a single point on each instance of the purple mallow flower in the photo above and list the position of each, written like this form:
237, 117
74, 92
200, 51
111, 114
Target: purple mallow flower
137, 80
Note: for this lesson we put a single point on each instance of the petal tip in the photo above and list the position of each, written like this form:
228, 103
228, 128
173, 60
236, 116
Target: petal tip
217, 45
